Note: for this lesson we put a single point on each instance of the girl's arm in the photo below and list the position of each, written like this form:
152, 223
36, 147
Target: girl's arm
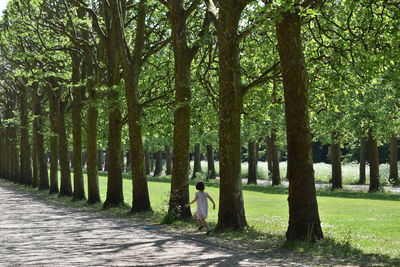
194, 200
212, 200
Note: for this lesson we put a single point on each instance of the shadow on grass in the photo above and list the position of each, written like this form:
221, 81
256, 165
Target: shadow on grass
342, 253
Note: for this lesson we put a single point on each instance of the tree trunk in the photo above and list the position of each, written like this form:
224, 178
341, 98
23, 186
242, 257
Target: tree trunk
335, 155
394, 173
276, 177
112, 51
129, 161
374, 184
147, 161
53, 144
231, 215
183, 56
211, 173
39, 151
362, 160
168, 161
95, 155
252, 162
304, 221
268, 148
197, 160
106, 160
25, 148
65, 187
159, 164
99, 157
79, 191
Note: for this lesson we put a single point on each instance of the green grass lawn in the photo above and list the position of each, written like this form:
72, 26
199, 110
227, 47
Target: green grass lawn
368, 223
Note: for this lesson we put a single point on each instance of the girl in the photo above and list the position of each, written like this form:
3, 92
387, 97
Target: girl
202, 206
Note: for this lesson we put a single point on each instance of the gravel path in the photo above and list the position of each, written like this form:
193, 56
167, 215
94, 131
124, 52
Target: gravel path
34, 232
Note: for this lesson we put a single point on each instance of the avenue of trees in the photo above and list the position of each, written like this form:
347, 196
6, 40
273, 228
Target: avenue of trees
86, 84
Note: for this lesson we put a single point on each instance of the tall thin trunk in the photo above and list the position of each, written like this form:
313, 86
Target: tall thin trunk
79, 191
268, 148
197, 160
65, 187
53, 144
25, 148
95, 155
211, 173
335, 155
106, 160
374, 184
304, 221
159, 164
39, 151
276, 177
252, 162
394, 172
112, 62
168, 161
362, 160
147, 161
99, 157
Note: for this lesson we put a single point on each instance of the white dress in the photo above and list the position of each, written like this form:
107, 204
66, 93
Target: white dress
202, 205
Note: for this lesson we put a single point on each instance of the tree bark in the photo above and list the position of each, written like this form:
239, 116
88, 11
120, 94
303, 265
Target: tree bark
65, 187
252, 162
197, 160
53, 144
231, 215
268, 148
183, 56
374, 184
147, 161
276, 177
79, 191
115, 196
362, 160
168, 161
39, 151
304, 221
335, 155
394, 172
25, 148
99, 158
211, 173
159, 164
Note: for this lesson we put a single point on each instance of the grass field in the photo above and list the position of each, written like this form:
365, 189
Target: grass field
356, 225
352, 221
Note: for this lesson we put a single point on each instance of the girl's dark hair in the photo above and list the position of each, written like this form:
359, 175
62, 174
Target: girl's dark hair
200, 186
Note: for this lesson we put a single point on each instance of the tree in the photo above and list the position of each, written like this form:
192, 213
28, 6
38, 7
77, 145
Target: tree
304, 222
